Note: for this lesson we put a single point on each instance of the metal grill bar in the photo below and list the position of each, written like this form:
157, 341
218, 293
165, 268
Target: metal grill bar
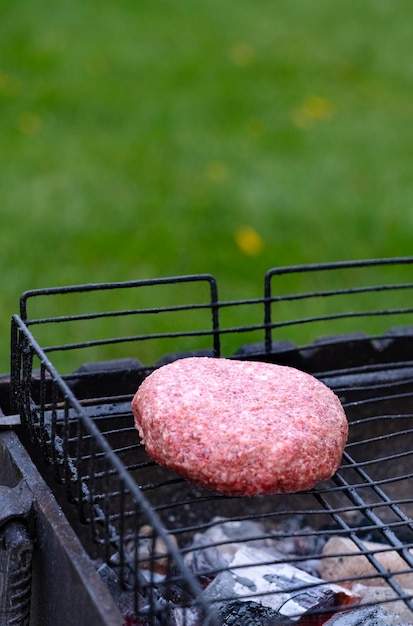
99, 517
94, 448
325, 268
50, 291
368, 553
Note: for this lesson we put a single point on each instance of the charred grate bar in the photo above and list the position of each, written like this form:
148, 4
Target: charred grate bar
78, 356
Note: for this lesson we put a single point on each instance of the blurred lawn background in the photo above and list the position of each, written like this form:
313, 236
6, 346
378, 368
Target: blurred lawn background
154, 138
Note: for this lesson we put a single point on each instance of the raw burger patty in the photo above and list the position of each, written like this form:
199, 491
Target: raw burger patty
241, 427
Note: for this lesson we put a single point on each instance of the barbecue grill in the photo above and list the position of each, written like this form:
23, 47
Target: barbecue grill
135, 536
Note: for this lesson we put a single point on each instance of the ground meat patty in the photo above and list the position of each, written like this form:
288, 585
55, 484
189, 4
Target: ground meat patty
241, 427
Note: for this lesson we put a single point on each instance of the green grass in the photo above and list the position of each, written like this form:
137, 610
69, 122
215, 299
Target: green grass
138, 138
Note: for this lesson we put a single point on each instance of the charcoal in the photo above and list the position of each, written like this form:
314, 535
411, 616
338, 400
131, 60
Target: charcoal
214, 549
387, 598
149, 551
124, 599
287, 590
365, 616
130, 619
353, 564
174, 590
252, 614
175, 356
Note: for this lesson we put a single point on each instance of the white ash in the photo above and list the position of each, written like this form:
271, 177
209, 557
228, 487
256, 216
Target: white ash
252, 574
123, 598
213, 549
244, 560
289, 573
386, 598
150, 551
366, 616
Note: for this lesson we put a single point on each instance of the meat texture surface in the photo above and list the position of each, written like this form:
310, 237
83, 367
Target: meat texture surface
241, 427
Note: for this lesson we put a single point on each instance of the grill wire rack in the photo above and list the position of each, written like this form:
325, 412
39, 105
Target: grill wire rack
348, 323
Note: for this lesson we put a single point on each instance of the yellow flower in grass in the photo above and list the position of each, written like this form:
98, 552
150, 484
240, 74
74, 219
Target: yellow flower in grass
312, 109
10, 86
249, 241
29, 123
243, 55
216, 172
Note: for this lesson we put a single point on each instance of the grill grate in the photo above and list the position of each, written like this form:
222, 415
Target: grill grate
78, 414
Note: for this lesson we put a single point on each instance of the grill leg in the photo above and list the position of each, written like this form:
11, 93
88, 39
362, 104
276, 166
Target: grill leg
16, 549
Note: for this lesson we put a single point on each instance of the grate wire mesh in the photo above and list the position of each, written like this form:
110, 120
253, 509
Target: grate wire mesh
82, 423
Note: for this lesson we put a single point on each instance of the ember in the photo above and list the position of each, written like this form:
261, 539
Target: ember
288, 591
254, 577
251, 567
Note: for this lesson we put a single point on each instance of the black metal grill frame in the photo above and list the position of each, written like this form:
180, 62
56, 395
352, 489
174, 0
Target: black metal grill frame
72, 428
